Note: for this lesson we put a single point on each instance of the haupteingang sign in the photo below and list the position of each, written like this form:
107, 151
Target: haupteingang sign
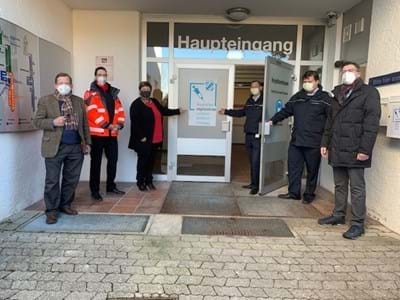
236, 37
240, 44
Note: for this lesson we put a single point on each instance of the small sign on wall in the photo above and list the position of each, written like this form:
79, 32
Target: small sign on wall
347, 33
108, 63
393, 129
386, 79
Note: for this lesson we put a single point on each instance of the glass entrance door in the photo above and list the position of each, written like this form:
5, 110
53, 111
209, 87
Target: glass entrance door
278, 87
203, 137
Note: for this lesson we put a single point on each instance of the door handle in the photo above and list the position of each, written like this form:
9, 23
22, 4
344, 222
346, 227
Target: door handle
225, 126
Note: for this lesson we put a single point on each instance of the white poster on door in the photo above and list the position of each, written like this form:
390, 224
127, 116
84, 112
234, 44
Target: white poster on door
203, 104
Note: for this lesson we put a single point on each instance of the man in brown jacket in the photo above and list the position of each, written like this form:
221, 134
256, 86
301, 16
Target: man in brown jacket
65, 140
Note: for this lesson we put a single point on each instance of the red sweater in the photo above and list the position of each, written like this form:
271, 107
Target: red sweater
158, 128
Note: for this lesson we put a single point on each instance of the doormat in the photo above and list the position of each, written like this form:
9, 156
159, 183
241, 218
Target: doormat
192, 204
236, 226
91, 223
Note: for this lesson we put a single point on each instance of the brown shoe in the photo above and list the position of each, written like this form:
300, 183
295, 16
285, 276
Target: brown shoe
51, 218
69, 211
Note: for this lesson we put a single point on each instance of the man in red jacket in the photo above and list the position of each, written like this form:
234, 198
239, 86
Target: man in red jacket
106, 118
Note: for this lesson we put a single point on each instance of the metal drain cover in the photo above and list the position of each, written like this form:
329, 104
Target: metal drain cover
236, 226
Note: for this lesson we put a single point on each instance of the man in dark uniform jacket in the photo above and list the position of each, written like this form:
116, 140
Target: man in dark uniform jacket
349, 138
309, 107
253, 113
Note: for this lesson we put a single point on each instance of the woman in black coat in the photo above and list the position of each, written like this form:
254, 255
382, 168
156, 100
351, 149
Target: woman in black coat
146, 115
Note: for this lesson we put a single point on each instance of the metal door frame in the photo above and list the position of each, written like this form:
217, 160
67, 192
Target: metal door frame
173, 125
276, 185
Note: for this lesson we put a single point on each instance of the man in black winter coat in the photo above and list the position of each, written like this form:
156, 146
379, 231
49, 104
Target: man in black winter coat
253, 113
348, 141
310, 108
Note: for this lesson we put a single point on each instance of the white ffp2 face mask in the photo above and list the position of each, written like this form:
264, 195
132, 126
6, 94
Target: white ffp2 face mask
348, 78
101, 80
255, 91
64, 89
308, 87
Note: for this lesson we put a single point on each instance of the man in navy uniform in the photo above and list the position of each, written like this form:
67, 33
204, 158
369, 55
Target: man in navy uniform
253, 113
309, 107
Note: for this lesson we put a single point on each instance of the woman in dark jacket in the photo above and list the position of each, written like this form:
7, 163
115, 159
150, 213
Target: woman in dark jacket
147, 133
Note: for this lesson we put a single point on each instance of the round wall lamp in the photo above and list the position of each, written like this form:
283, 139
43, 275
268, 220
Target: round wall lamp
237, 14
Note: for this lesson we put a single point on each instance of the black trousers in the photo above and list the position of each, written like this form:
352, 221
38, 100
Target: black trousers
297, 156
69, 159
342, 177
145, 162
110, 146
253, 147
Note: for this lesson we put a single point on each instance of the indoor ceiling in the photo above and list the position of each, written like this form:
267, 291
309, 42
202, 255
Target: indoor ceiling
272, 8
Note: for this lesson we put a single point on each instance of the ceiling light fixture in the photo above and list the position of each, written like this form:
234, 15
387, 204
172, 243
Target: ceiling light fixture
237, 14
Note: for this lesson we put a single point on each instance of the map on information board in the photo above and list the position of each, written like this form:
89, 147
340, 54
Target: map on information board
19, 77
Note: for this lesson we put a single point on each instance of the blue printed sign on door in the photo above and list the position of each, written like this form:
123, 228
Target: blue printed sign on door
278, 105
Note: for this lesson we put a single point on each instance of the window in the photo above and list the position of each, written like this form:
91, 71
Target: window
157, 39
313, 43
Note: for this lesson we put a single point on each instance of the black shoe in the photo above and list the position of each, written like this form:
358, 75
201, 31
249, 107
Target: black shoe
253, 191
142, 187
308, 199
151, 186
115, 191
332, 220
97, 197
51, 218
69, 211
354, 232
288, 196
247, 186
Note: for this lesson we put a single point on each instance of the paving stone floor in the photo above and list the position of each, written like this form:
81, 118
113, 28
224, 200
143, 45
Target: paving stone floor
317, 264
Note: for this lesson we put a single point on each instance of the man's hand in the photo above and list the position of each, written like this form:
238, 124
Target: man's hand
88, 149
143, 139
324, 152
270, 123
221, 111
59, 121
113, 127
362, 156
